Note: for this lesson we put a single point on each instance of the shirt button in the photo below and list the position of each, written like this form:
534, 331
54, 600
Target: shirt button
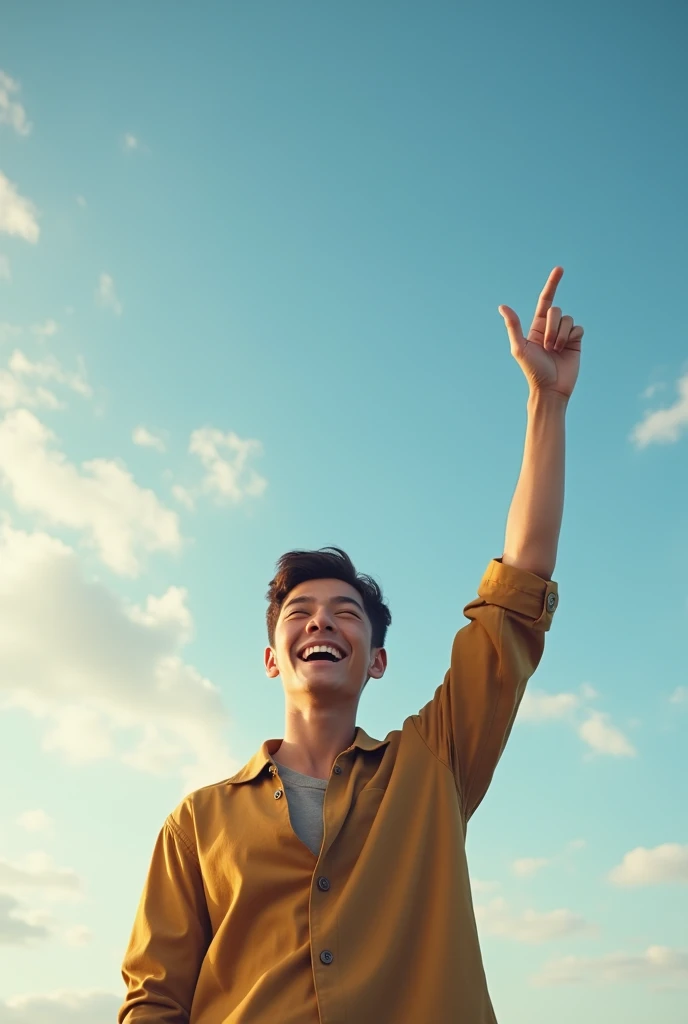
273, 770
326, 957
337, 769
551, 602
278, 794
323, 883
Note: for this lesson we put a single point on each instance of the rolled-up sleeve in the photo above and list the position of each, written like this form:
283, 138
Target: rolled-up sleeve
468, 721
171, 934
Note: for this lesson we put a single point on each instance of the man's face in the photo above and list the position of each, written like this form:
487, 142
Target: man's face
324, 613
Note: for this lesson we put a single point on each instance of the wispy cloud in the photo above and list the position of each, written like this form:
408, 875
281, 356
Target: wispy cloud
227, 479
50, 369
679, 696
81, 202
530, 926
183, 496
479, 885
66, 1006
526, 867
106, 295
39, 872
604, 738
594, 729
100, 499
657, 964
36, 821
664, 425
12, 112
45, 329
665, 863
78, 935
17, 927
537, 706
17, 214
131, 142
147, 439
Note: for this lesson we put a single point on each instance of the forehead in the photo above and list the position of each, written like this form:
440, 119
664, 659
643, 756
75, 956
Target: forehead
322, 592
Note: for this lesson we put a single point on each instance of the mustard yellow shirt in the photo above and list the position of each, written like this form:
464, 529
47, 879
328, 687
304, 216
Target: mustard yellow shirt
240, 923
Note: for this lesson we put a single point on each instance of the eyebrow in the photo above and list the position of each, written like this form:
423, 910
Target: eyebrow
304, 599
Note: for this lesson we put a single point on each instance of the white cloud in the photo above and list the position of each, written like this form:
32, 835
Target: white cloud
147, 439
483, 886
16, 926
78, 935
17, 214
531, 926
106, 680
665, 863
102, 499
664, 425
50, 369
90, 1006
229, 481
15, 392
46, 329
652, 389
36, 821
577, 844
11, 111
131, 142
658, 964
604, 738
81, 201
537, 706
5, 269
9, 331
106, 295
595, 729
183, 496
679, 696
525, 867
38, 872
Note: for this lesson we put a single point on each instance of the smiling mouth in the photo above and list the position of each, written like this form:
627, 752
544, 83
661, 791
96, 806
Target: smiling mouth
322, 656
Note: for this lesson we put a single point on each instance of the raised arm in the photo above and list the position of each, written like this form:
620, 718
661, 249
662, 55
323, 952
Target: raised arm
468, 721
550, 358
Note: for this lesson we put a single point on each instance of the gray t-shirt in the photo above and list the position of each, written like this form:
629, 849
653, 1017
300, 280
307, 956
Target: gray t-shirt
305, 797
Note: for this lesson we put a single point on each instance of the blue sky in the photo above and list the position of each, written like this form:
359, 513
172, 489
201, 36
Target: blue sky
250, 265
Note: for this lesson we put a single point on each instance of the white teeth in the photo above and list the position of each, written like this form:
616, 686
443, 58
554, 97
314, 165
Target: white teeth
331, 650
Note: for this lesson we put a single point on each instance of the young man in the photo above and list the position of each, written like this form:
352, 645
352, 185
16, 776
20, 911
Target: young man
326, 882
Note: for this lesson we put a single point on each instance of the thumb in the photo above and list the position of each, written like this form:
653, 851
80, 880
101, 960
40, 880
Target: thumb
513, 327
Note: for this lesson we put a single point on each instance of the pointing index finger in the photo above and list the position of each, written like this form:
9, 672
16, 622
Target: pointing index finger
547, 294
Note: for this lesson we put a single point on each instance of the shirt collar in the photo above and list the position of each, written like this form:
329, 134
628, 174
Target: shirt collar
263, 756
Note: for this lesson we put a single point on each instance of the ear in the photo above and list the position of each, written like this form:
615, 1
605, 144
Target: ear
271, 669
378, 664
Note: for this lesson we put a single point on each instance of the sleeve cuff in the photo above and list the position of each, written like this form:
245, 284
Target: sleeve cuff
520, 591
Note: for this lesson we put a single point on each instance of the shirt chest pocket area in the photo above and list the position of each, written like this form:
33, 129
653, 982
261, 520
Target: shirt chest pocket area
365, 818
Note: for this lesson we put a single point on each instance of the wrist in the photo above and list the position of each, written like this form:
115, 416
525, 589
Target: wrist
547, 399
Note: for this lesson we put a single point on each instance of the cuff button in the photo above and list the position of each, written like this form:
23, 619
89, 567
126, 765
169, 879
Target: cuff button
551, 602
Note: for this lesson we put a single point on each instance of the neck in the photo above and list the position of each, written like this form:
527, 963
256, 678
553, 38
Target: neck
313, 739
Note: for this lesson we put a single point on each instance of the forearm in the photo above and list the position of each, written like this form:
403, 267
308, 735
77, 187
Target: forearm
534, 521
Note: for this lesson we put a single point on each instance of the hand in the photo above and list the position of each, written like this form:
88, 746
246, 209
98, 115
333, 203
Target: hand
550, 355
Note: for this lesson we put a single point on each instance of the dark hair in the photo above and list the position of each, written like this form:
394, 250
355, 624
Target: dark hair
296, 567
